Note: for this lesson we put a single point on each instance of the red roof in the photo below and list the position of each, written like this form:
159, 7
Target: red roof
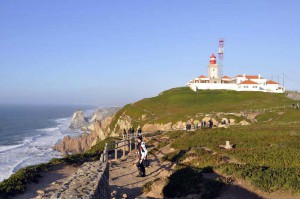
226, 77
202, 76
252, 77
248, 82
271, 82
239, 76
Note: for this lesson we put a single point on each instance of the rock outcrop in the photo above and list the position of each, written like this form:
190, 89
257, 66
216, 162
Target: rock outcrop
93, 132
293, 95
82, 143
78, 120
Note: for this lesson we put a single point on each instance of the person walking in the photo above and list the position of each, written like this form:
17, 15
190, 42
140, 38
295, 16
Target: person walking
142, 150
139, 131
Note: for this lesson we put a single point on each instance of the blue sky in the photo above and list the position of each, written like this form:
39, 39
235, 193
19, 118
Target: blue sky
115, 52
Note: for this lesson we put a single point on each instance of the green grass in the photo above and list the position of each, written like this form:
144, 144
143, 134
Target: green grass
179, 104
267, 179
268, 153
272, 142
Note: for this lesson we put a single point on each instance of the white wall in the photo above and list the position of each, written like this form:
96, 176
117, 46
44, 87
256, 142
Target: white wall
236, 87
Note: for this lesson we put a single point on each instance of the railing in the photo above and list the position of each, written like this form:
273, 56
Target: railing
126, 142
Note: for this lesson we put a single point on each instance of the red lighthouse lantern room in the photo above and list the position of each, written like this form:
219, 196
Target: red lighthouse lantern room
213, 59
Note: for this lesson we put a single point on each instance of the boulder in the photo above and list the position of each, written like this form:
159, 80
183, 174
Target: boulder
244, 122
143, 117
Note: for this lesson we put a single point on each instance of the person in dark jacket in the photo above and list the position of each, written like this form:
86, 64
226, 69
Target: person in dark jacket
140, 132
142, 150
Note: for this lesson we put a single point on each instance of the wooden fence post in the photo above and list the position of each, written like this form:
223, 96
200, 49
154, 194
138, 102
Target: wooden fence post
130, 145
102, 158
116, 150
124, 143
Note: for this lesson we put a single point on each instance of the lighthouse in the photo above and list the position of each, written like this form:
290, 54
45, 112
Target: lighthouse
213, 69
213, 59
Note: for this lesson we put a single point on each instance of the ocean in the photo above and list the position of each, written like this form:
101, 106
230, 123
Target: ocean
27, 133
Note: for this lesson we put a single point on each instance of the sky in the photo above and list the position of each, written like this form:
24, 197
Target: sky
113, 52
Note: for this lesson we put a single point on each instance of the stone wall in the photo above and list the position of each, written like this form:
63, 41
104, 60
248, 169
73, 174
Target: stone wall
91, 181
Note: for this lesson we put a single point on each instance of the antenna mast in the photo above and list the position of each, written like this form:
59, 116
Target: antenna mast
221, 57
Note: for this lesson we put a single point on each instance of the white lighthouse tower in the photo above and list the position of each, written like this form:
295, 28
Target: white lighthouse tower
213, 69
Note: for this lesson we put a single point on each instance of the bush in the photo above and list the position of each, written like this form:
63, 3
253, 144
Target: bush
187, 181
16, 183
183, 182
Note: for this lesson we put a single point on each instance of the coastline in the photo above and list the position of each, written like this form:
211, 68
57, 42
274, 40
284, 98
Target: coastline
38, 148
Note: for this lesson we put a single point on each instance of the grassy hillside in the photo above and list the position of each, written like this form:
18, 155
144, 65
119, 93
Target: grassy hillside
181, 103
267, 153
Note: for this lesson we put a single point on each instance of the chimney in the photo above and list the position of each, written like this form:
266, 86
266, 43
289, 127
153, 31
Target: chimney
259, 76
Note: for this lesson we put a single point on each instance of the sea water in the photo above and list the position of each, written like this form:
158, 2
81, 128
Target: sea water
28, 132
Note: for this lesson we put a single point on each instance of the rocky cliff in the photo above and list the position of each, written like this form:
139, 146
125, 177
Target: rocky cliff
218, 119
78, 120
93, 131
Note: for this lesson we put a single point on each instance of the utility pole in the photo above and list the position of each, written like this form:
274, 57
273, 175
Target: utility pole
283, 80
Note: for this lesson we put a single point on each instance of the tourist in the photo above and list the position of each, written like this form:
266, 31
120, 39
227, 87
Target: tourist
142, 150
211, 123
140, 131
196, 126
124, 133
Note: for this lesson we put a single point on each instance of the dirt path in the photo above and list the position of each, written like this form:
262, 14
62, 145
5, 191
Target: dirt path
49, 182
123, 174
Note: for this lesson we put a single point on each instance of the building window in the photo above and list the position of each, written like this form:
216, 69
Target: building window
254, 86
245, 86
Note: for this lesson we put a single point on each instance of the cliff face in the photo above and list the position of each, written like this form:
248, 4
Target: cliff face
94, 132
218, 119
81, 143
78, 120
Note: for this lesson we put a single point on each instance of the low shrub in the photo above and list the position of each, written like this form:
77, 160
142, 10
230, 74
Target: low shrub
187, 181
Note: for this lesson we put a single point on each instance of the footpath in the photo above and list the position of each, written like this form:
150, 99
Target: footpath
124, 183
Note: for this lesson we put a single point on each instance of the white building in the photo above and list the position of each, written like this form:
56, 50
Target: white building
237, 83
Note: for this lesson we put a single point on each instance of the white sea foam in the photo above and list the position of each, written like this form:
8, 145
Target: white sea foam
36, 149
33, 150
